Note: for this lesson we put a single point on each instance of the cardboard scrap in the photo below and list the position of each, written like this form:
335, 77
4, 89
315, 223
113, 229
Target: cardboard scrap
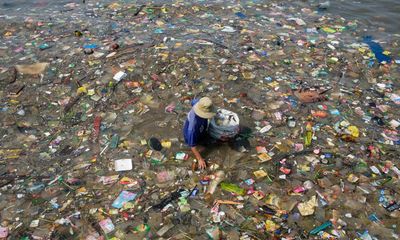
36, 68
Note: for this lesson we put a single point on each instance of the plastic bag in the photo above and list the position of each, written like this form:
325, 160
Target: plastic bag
225, 125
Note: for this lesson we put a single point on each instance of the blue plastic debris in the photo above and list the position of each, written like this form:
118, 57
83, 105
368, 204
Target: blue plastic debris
334, 112
123, 198
320, 228
292, 101
172, 26
268, 79
241, 15
365, 235
90, 46
44, 46
371, 63
373, 218
377, 49
262, 53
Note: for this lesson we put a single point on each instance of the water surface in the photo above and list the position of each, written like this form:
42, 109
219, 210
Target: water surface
380, 14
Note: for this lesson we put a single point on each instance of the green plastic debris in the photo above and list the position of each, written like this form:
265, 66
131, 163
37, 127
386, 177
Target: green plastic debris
233, 188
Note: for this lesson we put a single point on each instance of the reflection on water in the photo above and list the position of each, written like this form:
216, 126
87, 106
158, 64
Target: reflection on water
379, 13
382, 13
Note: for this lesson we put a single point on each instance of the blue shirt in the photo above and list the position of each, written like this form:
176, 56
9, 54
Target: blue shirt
194, 129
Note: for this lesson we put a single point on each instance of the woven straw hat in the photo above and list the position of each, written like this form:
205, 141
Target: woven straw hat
204, 108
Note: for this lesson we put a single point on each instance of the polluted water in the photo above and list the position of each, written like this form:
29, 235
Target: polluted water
94, 96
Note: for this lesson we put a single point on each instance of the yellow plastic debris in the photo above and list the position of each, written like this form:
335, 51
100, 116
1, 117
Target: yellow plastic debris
354, 132
248, 75
270, 226
91, 92
260, 174
81, 90
166, 144
328, 30
308, 208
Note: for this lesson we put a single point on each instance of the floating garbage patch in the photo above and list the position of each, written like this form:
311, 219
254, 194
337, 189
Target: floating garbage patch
94, 96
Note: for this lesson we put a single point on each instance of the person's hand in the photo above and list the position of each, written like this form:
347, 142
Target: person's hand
202, 164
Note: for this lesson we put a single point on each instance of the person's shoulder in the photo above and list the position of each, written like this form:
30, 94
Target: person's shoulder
192, 115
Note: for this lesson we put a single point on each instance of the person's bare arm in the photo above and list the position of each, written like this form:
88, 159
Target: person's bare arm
202, 163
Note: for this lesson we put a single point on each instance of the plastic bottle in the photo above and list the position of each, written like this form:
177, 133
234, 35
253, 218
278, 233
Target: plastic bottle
219, 176
308, 136
36, 188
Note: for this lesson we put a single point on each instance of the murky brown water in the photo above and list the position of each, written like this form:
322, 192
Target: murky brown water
197, 70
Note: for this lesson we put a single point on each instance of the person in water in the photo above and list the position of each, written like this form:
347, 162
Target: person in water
196, 126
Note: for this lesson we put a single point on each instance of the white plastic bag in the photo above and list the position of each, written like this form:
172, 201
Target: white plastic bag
225, 125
